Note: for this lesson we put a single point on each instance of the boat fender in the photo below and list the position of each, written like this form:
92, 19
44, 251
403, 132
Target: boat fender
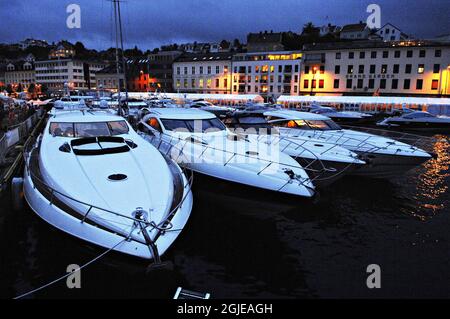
17, 193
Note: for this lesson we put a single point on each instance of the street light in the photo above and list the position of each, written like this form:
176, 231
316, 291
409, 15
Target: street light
315, 70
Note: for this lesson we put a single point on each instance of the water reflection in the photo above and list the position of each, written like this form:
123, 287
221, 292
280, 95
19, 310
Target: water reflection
432, 183
240, 243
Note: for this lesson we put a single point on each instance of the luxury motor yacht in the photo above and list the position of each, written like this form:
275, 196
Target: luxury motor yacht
219, 111
92, 176
385, 157
324, 162
342, 117
418, 120
198, 140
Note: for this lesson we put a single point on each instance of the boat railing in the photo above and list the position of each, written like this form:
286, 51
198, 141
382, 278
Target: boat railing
339, 139
167, 143
161, 226
423, 142
299, 144
299, 147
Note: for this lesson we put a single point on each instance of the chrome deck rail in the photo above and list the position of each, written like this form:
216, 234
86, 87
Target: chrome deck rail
419, 141
172, 142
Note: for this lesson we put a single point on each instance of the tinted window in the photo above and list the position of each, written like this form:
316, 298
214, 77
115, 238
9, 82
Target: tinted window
89, 129
194, 126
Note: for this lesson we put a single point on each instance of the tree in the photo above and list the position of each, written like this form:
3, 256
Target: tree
308, 28
224, 44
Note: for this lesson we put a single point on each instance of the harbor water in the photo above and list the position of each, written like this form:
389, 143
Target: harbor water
248, 245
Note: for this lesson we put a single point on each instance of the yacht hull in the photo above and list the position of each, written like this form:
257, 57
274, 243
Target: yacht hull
334, 170
387, 166
61, 216
221, 172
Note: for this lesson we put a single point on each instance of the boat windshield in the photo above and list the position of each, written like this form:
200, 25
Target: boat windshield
194, 126
92, 129
416, 115
326, 125
252, 120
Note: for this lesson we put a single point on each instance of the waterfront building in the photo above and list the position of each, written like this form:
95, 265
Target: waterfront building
269, 74
404, 68
203, 73
108, 79
79, 74
160, 70
20, 74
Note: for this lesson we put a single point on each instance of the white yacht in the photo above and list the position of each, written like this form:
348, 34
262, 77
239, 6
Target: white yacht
343, 117
385, 157
199, 141
324, 162
92, 176
219, 111
418, 120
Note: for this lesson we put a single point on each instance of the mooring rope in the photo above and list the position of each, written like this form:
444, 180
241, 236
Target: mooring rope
67, 275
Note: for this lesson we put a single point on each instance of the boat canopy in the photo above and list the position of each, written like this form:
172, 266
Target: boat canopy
182, 114
213, 98
398, 100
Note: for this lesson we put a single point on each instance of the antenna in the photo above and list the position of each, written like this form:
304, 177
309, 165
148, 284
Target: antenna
119, 41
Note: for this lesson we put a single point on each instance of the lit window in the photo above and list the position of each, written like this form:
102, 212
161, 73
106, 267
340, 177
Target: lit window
421, 69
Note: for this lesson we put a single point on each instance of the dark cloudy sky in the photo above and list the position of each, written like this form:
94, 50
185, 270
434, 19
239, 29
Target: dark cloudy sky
151, 23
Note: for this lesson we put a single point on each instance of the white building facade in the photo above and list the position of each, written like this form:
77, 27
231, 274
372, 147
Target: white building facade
78, 74
404, 68
208, 73
20, 73
390, 32
269, 74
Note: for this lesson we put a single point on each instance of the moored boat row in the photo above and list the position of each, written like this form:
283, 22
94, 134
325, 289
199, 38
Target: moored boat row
90, 174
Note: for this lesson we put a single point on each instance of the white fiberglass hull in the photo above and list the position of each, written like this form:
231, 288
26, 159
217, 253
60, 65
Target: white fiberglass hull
385, 157
257, 171
101, 236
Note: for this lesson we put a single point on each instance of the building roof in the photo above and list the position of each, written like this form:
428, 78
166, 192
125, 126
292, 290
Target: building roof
19, 66
357, 27
264, 37
110, 69
372, 45
388, 100
198, 57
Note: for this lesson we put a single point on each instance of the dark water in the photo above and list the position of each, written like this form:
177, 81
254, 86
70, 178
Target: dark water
239, 245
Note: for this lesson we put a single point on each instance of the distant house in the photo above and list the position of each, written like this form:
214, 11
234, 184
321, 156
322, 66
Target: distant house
390, 32
328, 29
62, 50
265, 41
198, 47
359, 31
32, 43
